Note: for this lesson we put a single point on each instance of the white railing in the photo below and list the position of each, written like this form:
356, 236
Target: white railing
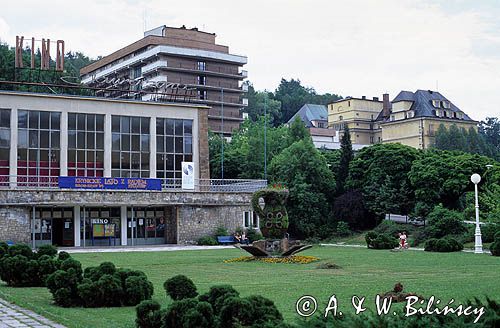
10, 182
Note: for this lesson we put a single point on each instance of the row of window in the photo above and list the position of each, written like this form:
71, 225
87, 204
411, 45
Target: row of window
39, 145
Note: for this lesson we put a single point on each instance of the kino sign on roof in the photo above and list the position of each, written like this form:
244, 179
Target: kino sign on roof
45, 53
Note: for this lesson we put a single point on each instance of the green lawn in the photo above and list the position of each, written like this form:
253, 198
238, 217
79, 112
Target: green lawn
364, 273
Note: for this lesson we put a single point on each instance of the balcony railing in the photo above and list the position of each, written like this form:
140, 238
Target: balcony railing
10, 182
154, 65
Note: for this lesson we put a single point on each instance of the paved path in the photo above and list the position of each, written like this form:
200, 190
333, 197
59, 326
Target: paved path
411, 248
14, 316
147, 248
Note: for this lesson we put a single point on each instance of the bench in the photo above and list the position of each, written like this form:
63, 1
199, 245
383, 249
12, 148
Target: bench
226, 240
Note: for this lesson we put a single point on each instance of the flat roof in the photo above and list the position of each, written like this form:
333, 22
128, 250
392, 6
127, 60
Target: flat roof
103, 99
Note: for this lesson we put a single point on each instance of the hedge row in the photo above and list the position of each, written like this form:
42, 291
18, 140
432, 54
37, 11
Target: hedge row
446, 244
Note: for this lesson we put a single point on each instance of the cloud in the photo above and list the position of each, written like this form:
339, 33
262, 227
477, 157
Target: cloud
356, 47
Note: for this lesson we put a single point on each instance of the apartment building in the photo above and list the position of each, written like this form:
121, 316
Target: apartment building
176, 65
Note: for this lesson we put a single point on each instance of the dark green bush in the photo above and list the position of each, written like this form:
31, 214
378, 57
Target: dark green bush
221, 231
21, 249
180, 287
343, 229
495, 246
207, 240
447, 244
101, 286
393, 228
380, 240
4, 248
254, 235
221, 307
442, 222
48, 250
217, 294
149, 315
488, 232
63, 255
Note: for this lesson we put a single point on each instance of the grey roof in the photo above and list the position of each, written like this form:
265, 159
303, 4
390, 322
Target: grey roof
422, 102
311, 112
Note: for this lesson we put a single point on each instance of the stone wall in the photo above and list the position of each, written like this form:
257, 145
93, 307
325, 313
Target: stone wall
15, 224
196, 221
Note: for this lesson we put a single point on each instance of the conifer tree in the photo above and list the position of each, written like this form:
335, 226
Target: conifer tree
346, 156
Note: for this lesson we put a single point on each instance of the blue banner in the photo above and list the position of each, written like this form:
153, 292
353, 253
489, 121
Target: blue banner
109, 183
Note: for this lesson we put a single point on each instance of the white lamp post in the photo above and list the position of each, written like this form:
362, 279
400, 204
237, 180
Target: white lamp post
478, 248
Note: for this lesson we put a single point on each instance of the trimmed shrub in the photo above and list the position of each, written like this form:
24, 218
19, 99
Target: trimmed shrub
207, 240
4, 249
21, 249
149, 314
180, 287
488, 232
47, 250
380, 240
101, 286
221, 231
202, 316
174, 317
495, 247
63, 256
217, 294
442, 222
447, 244
254, 235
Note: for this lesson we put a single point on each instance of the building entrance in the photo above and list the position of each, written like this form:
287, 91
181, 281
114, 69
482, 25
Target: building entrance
54, 226
145, 225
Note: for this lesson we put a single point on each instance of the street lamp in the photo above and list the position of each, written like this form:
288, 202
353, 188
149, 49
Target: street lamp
478, 247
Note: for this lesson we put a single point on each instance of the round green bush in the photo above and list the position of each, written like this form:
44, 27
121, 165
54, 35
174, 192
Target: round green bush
380, 240
180, 287
63, 256
495, 246
149, 314
174, 316
137, 289
21, 249
47, 250
446, 244
236, 309
202, 316
207, 240
488, 232
217, 294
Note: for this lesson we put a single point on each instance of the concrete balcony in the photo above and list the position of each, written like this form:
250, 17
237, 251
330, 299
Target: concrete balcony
154, 66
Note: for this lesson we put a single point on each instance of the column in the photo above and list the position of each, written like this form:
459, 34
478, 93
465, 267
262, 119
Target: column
64, 146
13, 148
123, 224
107, 145
76, 216
152, 147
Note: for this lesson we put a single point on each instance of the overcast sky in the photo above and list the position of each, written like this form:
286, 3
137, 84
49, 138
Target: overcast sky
352, 48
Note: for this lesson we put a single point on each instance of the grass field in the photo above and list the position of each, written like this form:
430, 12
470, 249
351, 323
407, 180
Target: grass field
364, 273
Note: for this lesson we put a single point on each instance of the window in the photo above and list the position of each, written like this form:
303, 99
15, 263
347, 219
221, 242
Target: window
436, 103
85, 145
431, 129
4, 146
129, 146
38, 148
201, 80
446, 104
340, 118
201, 65
147, 222
349, 103
371, 139
174, 145
250, 220
393, 118
202, 94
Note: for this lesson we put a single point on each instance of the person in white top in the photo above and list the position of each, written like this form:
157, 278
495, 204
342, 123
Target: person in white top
402, 240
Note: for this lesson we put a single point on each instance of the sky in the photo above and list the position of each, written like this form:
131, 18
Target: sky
351, 48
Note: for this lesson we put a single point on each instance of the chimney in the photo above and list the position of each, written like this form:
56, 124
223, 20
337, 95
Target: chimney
375, 98
363, 97
386, 108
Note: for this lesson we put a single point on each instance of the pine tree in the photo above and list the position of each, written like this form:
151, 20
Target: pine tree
346, 157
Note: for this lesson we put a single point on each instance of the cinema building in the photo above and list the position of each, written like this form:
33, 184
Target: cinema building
168, 56
87, 171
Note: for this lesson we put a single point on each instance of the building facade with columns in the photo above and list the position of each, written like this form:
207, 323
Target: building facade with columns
94, 143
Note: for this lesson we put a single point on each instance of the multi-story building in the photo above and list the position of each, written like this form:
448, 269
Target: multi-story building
84, 171
315, 118
176, 64
412, 118
359, 114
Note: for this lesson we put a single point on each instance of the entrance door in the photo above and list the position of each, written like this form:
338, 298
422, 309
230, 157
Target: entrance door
63, 232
